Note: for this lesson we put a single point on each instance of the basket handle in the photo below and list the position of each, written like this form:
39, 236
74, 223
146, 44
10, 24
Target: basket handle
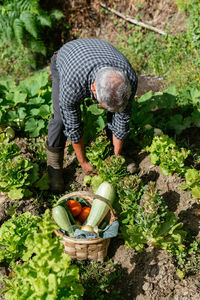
90, 194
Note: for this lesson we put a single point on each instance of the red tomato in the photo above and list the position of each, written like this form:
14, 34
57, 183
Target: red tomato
74, 207
84, 213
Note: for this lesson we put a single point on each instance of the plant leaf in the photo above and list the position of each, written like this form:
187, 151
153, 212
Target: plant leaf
18, 27
30, 23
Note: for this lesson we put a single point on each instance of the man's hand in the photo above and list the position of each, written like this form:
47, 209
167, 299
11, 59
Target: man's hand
117, 145
87, 167
80, 154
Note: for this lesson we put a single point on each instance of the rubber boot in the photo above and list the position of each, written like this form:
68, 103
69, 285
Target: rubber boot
55, 168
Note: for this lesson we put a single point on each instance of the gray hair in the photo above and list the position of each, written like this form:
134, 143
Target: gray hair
112, 88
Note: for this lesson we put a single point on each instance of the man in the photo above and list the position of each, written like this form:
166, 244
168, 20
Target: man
86, 68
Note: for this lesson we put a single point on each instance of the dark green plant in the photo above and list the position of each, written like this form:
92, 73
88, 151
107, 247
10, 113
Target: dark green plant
27, 107
188, 261
99, 280
16, 62
21, 22
93, 118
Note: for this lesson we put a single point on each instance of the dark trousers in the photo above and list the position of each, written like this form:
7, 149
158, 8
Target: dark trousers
56, 137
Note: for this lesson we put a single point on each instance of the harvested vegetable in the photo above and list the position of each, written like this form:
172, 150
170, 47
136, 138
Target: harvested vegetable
84, 213
88, 228
74, 207
61, 218
99, 209
71, 218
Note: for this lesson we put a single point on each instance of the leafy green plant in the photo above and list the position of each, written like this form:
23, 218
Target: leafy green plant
188, 261
27, 106
22, 21
192, 177
153, 224
112, 169
172, 111
98, 150
129, 191
17, 173
94, 119
165, 153
102, 276
13, 234
45, 271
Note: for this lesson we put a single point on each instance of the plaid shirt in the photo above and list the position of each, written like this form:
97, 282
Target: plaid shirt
77, 62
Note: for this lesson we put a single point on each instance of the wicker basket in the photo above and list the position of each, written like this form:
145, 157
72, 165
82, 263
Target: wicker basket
83, 249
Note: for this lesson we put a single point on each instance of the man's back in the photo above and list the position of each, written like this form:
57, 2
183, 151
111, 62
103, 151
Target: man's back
79, 60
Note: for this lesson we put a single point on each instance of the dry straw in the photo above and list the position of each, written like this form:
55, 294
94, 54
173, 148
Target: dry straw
83, 249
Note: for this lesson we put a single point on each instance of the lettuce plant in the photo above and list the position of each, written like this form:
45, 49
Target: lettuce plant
164, 152
192, 178
45, 271
17, 173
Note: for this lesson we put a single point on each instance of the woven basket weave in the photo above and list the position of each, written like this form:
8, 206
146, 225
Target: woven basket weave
83, 249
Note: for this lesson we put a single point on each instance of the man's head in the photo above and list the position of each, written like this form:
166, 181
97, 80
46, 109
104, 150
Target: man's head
112, 89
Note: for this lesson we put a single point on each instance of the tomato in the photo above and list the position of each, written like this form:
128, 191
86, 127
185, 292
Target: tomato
84, 213
74, 207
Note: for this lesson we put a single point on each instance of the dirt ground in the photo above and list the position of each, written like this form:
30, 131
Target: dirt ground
150, 275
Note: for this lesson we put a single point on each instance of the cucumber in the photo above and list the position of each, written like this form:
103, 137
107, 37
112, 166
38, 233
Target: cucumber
61, 218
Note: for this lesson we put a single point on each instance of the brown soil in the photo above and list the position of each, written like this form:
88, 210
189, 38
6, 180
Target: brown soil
87, 19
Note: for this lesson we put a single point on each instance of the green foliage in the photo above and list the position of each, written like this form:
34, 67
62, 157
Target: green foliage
93, 118
168, 55
129, 191
151, 223
192, 177
45, 272
164, 152
16, 61
99, 280
98, 150
188, 261
172, 111
22, 21
112, 169
13, 234
27, 106
17, 173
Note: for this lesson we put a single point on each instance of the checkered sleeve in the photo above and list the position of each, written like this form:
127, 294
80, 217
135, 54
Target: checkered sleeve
120, 123
71, 113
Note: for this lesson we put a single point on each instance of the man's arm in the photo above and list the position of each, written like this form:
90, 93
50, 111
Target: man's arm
80, 154
117, 145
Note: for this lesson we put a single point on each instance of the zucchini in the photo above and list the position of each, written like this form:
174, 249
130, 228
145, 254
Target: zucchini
99, 209
61, 218
71, 218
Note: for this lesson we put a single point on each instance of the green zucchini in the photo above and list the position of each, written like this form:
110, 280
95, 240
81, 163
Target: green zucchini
99, 209
61, 217
71, 218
